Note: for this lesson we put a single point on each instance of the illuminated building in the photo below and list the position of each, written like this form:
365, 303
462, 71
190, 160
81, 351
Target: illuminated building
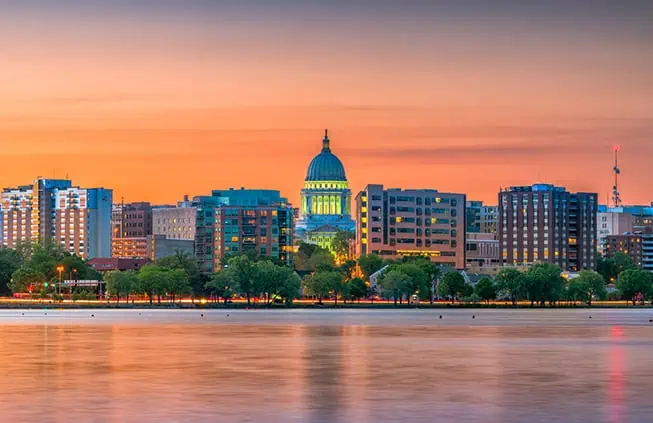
396, 223
52, 210
482, 250
545, 223
480, 218
325, 199
262, 231
175, 222
612, 223
131, 225
82, 222
629, 244
207, 208
28, 211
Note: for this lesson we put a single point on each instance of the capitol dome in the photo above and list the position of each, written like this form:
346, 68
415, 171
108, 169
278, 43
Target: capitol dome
326, 166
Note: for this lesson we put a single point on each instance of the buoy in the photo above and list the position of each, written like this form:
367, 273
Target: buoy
227, 315
440, 316
92, 315
202, 314
650, 320
590, 317
473, 316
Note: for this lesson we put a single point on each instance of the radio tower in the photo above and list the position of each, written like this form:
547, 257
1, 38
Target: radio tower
616, 197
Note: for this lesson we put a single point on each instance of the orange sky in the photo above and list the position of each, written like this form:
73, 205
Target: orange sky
158, 105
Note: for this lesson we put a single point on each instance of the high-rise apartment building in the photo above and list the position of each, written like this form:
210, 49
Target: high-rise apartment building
482, 250
82, 223
396, 223
544, 223
629, 244
78, 219
262, 230
205, 222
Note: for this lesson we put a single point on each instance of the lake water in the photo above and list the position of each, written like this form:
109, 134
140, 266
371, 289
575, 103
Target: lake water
326, 366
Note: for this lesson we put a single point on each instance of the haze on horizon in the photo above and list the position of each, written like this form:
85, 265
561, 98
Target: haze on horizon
161, 98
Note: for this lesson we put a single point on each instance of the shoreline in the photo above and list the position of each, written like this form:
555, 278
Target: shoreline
325, 306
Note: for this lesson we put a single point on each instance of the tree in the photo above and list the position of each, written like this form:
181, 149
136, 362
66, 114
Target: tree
10, 261
318, 284
486, 290
304, 253
394, 283
276, 281
120, 283
24, 278
419, 280
322, 261
511, 283
348, 269
149, 281
452, 286
544, 282
178, 283
242, 273
607, 268
587, 285
633, 282
183, 260
340, 244
220, 285
358, 288
623, 261
370, 264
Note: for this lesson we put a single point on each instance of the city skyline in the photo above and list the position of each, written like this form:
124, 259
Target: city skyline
156, 100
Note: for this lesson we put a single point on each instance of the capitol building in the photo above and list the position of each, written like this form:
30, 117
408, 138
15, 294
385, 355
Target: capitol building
325, 199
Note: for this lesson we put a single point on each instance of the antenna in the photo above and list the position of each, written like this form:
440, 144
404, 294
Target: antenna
616, 197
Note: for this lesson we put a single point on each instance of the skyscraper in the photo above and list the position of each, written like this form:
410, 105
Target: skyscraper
545, 223
325, 199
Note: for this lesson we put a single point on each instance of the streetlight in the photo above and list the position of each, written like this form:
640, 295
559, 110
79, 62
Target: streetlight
60, 270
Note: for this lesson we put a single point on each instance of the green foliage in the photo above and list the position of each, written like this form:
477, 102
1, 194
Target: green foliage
149, 280
304, 253
10, 261
241, 272
321, 284
485, 289
23, 278
220, 286
586, 286
511, 283
632, 282
419, 280
273, 281
544, 282
611, 267
120, 284
183, 260
358, 288
322, 261
394, 283
452, 286
370, 264
348, 269
340, 244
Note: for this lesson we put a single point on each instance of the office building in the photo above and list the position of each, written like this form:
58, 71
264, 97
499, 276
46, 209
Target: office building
132, 224
175, 222
159, 246
396, 223
325, 199
612, 223
482, 250
82, 221
480, 218
545, 223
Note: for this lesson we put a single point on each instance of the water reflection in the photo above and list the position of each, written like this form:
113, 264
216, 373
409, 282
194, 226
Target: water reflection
297, 368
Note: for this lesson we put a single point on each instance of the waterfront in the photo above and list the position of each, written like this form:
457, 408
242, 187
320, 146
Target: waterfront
326, 366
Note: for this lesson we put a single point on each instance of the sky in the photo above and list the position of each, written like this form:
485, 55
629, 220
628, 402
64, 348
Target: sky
160, 98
